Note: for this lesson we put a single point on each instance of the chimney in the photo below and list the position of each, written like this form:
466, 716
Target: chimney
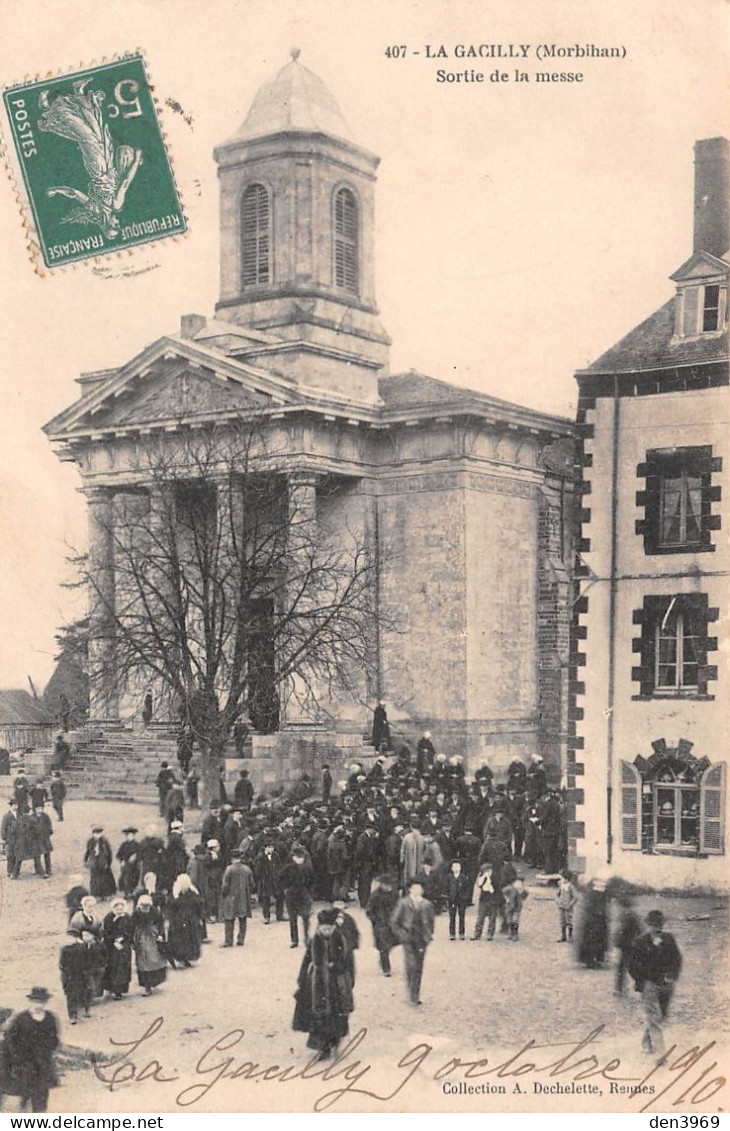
712, 196
191, 324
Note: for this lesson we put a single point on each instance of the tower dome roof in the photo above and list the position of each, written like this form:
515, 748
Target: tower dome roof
296, 99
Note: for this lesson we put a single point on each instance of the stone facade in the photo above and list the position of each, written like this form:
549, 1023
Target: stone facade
460, 498
649, 685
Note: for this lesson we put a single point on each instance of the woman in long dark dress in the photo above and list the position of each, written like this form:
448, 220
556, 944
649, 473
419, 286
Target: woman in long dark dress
594, 927
324, 989
98, 859
149, 944
186, 924
118, 934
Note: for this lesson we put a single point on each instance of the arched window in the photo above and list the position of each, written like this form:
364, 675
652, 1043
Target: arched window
255, 224
347, 236
673, 802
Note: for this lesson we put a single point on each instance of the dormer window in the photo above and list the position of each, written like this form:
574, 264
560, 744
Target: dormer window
700, 309
711, 309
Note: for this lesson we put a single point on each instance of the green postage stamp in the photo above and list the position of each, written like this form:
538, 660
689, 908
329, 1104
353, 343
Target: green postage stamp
93, 161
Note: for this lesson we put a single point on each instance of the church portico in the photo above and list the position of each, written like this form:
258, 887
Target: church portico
276, 428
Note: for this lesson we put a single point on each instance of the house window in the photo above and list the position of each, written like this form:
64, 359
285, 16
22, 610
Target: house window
346, 240
676, 664
673, 802
674, 646
711, 308
255, 223
677, 501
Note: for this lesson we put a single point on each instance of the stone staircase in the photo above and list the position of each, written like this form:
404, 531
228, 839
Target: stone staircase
119, 766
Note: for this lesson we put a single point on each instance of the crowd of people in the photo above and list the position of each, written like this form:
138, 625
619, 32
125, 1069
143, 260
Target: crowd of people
408, 839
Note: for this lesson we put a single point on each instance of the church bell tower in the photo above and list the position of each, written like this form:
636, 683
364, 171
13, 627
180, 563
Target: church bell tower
297, 226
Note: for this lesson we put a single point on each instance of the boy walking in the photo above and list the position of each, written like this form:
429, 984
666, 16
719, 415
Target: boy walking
567, 899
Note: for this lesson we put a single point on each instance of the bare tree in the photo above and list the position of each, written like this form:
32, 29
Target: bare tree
228, 593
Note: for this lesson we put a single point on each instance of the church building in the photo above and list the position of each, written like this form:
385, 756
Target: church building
650, 685
471, 494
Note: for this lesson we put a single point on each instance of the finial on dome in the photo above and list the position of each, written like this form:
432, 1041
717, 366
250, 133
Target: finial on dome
295, 52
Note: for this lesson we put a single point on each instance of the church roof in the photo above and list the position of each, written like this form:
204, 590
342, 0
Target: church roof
295, 100
653, 345
415, 393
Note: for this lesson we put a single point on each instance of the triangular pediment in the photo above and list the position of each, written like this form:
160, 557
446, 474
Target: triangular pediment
172, 381
700, 266
178, 393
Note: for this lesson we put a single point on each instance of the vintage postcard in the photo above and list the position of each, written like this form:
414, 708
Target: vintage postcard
364, 590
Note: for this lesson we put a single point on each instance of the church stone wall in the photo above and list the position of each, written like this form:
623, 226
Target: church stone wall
422, 534
501, 565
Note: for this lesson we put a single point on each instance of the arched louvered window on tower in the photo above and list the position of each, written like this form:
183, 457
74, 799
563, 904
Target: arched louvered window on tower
347, 234
256, 230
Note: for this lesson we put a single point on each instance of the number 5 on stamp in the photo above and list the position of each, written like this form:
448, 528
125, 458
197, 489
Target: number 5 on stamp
93, 161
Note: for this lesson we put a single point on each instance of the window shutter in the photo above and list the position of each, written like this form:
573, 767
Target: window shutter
255, 241
691, 311
630, 806
712, 810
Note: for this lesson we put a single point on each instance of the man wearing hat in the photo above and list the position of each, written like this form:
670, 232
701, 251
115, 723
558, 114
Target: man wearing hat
243, 792
31, 1039
412, 924
236, 898
655, 965
58, 792
8, 833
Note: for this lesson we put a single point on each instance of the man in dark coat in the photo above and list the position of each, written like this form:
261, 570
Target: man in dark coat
367, 855
31, 1039
163, 781
628, 931
243, 792
27, 845
326, 783
150, 852
412, 924
296, 879
266, 871
43, 832
236, 898
8, 834
425, 753
381, 727
58, 793
174, 806
21, 792
38, 795
458, 894
655, 966
212, 828
380, 908
338, 863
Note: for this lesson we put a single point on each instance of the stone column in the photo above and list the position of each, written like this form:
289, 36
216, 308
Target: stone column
302, 486
104, 691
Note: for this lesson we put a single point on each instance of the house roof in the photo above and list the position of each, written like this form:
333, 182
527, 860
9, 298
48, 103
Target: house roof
18, 708
652, 345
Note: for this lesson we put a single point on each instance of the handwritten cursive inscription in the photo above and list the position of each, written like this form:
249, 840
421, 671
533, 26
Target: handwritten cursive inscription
351, 1074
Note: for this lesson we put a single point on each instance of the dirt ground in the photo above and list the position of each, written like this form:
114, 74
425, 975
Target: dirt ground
479, 998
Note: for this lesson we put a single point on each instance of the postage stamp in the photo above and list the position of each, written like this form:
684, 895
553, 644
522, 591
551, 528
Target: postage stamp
93, 161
